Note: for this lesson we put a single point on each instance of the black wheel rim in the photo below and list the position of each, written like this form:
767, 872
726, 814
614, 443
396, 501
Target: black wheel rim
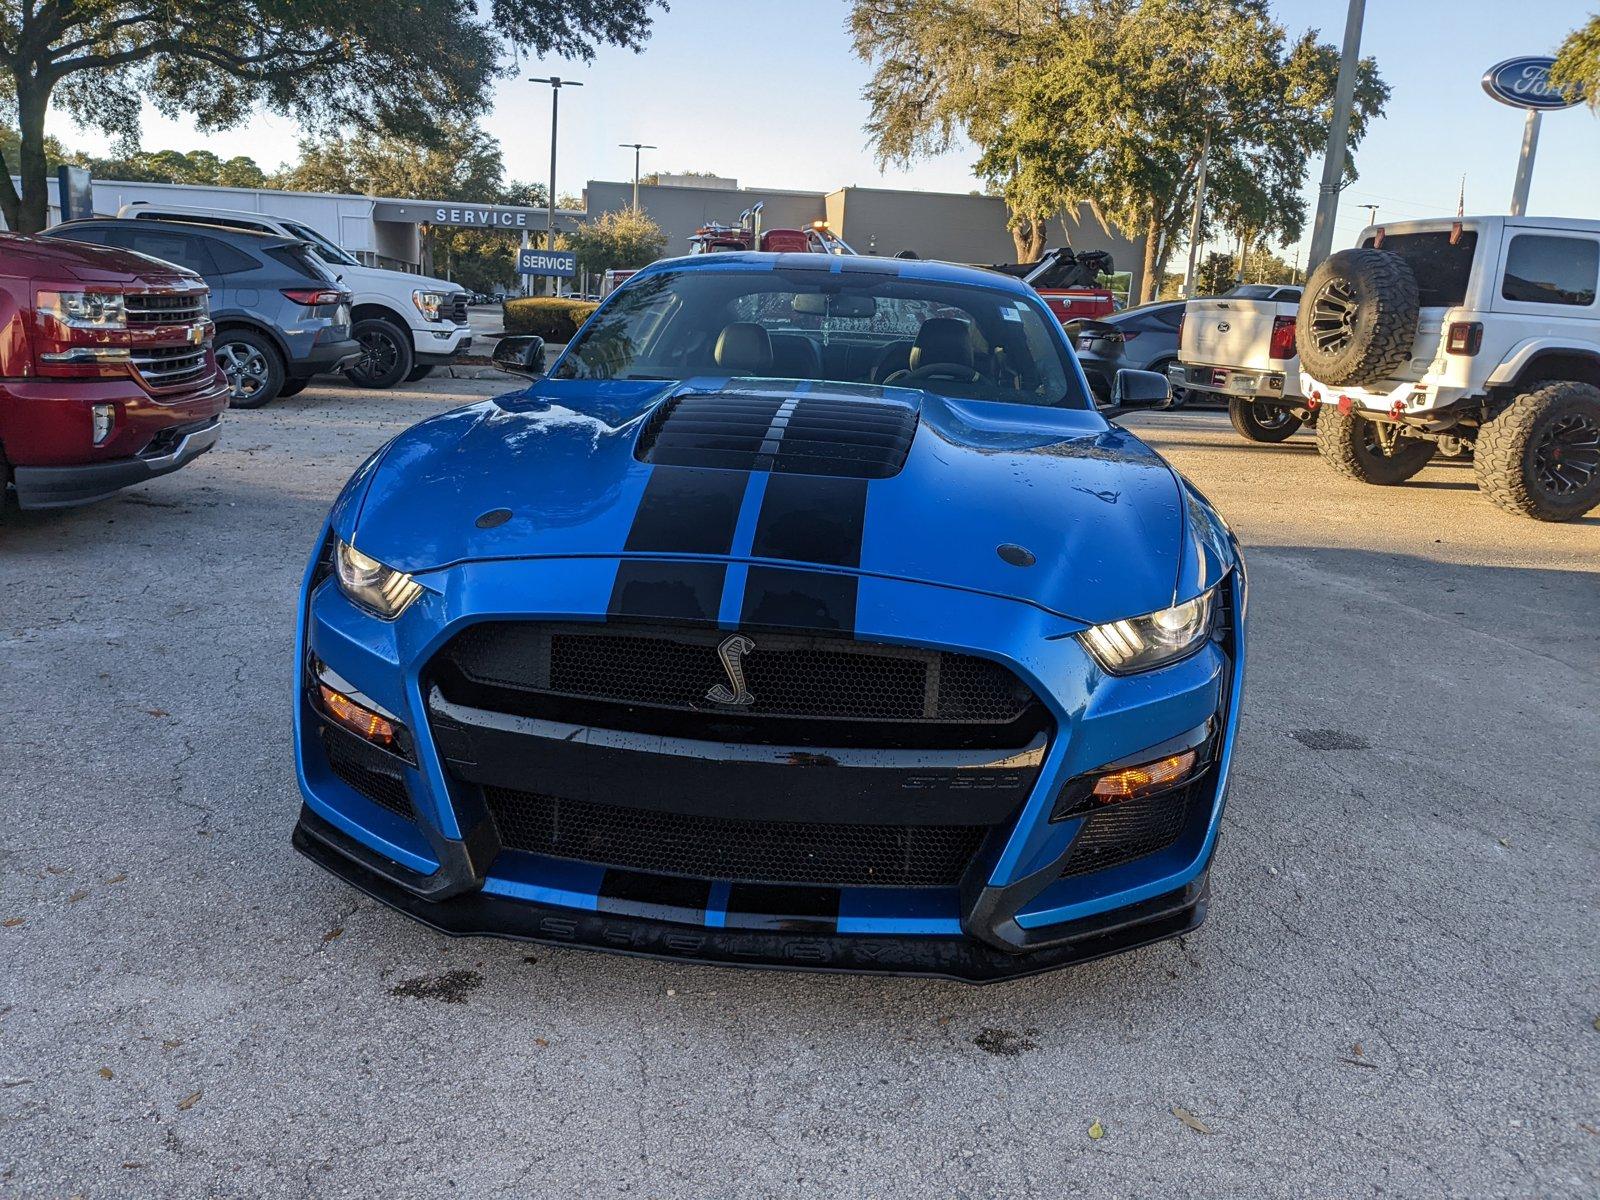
379, 354
1567, 458
1271, 418
1333, 317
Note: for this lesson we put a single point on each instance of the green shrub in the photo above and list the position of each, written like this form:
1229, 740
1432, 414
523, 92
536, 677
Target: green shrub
551, 317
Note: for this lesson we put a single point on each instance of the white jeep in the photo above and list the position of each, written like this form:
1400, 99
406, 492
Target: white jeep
406, 324
1462, 336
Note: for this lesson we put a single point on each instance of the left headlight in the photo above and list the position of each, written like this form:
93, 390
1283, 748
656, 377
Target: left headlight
428, 304
372, 585
1141, 643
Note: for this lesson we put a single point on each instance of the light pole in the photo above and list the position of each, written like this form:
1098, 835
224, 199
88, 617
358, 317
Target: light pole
1372, 213
1338, 136
635, 147
556, 84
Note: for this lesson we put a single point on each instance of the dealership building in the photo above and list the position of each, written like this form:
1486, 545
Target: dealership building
385, 231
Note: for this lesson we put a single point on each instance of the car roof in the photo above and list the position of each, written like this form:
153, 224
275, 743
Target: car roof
1433, 224
243, 237
930, 270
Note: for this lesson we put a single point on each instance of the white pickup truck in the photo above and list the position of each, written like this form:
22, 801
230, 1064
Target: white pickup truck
1240, 346
406, 324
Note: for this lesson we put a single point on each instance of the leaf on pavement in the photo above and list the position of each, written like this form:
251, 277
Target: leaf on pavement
76, 896
1192, 1121
1096, 1131
107, 1073
189, 1101
12, 922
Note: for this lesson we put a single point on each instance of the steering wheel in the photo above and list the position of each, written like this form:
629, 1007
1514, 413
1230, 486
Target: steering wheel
935, 371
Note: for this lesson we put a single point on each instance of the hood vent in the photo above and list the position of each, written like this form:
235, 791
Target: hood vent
803, 434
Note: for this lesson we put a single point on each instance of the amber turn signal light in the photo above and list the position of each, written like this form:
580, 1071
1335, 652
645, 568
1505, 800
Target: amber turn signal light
1132, 782
362, 722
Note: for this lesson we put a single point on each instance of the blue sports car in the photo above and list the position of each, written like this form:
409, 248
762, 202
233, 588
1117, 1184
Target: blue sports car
806, 613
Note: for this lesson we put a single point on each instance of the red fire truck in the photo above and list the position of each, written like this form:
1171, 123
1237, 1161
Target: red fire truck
1068, 282
749, 235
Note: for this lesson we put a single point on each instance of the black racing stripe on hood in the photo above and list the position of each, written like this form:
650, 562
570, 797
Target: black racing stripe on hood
778, 598
778, 907
668, 591
812, 518
687, 510
655, 897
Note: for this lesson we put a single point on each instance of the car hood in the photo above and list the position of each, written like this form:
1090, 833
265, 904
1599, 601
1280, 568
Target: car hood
1049, 506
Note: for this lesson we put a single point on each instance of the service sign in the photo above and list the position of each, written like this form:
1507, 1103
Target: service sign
1525, 83
563, 264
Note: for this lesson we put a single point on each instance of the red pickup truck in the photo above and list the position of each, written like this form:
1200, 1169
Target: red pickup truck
107, 376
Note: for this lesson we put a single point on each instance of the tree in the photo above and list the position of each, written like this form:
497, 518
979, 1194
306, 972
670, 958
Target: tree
1578, 62
1110, 103
174, 166
1214, 274
400, 66
617, 241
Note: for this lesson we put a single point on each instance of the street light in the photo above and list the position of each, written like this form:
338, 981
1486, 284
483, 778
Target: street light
636, 147
1372, 213
556, 84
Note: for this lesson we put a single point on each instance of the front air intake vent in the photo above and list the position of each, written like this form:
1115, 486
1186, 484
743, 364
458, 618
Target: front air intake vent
789, 433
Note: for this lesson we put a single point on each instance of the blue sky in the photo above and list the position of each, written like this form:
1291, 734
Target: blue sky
768, 91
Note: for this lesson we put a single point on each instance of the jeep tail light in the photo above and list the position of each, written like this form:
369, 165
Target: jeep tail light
1465, 338
311, 297
1282, 345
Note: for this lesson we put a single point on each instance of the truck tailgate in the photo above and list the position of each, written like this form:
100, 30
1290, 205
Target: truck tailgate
1232, 333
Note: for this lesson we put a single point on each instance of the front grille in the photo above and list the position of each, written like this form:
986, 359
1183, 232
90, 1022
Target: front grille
721, 848
1131, 829
164, 308
169, 366
458, 308
384, 788
807, 689
799, 433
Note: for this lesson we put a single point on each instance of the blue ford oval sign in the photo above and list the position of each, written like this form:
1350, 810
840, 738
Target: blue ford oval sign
1525, 83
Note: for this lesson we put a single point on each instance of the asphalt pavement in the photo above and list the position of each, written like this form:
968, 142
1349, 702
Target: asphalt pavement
1397, 992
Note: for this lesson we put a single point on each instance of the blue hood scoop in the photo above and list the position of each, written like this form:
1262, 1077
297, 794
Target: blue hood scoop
791, 432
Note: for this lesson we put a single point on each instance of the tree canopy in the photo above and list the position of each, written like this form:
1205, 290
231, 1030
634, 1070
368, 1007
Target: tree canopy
1110, 103
403, 67
617, 241
1578, 62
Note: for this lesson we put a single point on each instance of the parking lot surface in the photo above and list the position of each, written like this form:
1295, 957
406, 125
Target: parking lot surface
1397, 992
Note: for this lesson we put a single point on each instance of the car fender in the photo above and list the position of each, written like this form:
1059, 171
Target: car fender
1524, 352
241, 320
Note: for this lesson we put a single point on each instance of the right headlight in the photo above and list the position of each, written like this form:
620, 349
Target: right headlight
1141, 643
372, 585
429, 304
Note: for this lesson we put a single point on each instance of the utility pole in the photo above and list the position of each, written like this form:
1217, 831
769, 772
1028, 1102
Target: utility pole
556, 84
636, 147
1194, 221
1338, 138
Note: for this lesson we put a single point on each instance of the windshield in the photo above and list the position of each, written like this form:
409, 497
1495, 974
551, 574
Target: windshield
1262, 291
856, 327
324, 249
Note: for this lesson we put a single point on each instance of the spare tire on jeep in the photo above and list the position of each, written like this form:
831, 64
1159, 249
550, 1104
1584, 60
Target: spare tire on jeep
1358, 318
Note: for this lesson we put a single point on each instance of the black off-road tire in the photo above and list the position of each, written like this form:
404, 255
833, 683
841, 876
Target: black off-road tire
419, 372
1540, 458
1358, 318
387, 355
1256, 422
1349, 445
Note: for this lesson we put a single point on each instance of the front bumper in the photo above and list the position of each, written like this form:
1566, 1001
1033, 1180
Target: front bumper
60, 487
1016, 911
439, 343
433, 357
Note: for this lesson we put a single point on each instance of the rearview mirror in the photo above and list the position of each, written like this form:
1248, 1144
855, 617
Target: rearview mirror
520, 354
836, 305
1140, 389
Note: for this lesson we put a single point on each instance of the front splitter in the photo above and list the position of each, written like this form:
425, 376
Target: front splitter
476, 914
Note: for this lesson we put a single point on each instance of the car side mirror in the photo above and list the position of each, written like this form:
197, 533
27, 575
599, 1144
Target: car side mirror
520, 354
1140, 389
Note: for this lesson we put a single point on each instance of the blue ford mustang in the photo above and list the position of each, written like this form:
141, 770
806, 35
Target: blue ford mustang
806, 613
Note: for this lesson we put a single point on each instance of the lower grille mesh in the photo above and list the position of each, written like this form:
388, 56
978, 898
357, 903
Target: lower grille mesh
383, 789
724, 848
1130, 830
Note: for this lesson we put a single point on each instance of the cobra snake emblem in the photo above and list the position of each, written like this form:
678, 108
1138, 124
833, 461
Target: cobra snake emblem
732, 652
